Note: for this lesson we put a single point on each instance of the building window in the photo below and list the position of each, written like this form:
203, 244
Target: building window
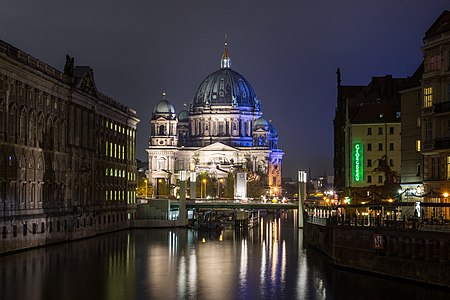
448, 167
391, 130
448, 87
427, 97
380, 130
391, 162
398, 114
428, 130
369, 131
369, 162
435, 168
380, 179
435, 62
418, 170
369, 147
418, 122
391, 146
369, 178
380, 146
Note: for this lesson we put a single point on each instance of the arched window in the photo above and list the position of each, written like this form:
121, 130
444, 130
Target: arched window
12, 123
22, 126
162, 130
56, 134
48, 137
32, 129
2, 118
63, 136
40, 130
31, 162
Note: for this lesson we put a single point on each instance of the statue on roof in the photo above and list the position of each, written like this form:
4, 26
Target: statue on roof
69, 65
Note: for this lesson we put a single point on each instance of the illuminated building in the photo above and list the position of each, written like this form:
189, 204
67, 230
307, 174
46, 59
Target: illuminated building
435, 104
367, 144
67, 154
412, 159
223, 131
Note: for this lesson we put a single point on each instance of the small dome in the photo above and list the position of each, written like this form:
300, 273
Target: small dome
261, 123
183, 116
164, 107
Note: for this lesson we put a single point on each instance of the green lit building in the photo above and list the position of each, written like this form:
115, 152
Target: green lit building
367, 140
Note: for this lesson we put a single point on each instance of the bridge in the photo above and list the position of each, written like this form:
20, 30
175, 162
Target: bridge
232, 204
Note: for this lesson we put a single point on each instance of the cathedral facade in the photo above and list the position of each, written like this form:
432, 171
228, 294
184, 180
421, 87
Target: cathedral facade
222, 132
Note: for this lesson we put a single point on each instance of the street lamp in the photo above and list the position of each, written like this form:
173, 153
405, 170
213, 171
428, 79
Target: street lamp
203, 188
145, 180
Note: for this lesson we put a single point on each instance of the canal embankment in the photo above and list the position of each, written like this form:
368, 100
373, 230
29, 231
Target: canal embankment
421, 255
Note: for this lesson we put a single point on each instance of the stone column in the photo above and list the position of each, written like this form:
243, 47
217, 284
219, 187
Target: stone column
301, 196
193, 178
182, 205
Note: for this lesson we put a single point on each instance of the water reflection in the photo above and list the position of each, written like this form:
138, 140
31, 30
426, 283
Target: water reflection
268, 262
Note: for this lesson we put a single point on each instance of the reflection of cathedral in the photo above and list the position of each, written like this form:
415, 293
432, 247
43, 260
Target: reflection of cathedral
222, 132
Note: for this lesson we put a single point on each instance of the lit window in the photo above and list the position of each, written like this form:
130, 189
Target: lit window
448, 167
427, 97
418, 145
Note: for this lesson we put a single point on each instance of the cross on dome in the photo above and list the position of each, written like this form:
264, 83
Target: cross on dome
225, 61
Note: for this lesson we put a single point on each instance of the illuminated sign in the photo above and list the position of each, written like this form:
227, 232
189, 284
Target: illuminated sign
357, 162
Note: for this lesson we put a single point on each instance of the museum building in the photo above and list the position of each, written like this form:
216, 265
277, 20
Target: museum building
67, 154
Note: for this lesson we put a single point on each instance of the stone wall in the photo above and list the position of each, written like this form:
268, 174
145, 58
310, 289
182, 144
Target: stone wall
416, 255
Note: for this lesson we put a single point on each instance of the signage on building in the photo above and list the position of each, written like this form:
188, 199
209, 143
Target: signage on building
358, 162
378, 241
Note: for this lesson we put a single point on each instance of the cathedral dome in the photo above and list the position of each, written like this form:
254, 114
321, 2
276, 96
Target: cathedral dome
261, 123
183, 116
226, 87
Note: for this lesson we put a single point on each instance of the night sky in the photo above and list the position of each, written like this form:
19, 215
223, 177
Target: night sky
288, 50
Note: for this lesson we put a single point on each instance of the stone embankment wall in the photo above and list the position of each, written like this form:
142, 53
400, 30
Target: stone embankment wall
24, 233
417, 255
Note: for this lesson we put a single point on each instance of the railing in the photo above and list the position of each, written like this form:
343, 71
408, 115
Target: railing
439, 225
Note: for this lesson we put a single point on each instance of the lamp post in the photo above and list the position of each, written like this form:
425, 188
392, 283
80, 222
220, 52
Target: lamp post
193, 179
146, 193
219, 183
203, 188
182, 209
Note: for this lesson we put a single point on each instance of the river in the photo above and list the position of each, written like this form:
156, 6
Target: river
267, 262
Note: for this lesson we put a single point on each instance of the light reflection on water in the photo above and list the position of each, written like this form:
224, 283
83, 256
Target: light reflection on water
269, 262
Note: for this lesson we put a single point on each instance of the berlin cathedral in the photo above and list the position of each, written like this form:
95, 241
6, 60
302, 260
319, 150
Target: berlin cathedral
222, 132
